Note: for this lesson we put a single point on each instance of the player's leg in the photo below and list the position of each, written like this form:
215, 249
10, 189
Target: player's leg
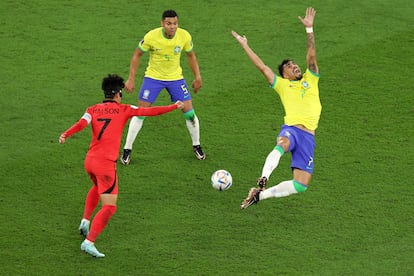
99, 223
134, 128
103, 216
108, 190
284, 144
302, 166
193, 126
179, 90
271, 162
92, 198
299, 184
149, 92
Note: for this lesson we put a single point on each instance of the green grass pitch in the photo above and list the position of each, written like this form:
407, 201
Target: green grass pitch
356, 217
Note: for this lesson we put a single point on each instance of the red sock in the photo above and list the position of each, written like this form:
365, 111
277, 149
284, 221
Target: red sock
100, 221
92, 200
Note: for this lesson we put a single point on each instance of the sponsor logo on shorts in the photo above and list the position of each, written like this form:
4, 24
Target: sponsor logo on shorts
287, 133
145, 95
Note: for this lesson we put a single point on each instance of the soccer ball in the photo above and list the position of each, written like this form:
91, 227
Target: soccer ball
221, 180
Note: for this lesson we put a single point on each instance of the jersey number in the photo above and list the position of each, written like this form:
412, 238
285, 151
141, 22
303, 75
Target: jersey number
105, 125
185, 90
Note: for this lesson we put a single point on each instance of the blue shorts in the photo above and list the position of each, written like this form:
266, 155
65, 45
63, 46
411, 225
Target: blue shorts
151, 88
302, 147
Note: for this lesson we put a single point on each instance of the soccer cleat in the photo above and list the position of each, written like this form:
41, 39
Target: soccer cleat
126, 157
198, 152
91, 249
261, 182
84, 228
252, 198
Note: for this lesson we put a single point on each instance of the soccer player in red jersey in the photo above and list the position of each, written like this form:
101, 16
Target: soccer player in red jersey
108, 120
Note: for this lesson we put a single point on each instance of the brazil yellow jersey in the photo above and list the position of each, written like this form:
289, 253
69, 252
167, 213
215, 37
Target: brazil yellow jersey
300, 99
164, 62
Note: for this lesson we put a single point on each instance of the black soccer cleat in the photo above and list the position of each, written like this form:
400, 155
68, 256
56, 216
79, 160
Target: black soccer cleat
198, 152
126, 157
262, 182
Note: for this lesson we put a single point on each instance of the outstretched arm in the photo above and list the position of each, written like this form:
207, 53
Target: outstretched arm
157, 110
78, 126
263, 68
311, 51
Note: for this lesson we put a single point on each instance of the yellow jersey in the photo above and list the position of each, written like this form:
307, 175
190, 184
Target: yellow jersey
165, 53
300, 99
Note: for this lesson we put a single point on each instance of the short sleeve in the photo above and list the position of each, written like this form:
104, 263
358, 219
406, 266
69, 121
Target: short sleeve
144, 45
188, 46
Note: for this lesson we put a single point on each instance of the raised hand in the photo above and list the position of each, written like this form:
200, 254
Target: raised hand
239, 38
308, 20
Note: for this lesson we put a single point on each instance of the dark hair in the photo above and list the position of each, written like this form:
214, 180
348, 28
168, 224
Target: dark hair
281, 66
112, 84
169, 13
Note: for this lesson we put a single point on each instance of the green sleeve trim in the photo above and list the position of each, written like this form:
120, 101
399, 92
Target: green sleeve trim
299, 187
274, 83
313, 73
143, 50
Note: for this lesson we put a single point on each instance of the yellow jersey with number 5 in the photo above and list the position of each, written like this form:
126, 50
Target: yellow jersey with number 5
165, 53
300, 99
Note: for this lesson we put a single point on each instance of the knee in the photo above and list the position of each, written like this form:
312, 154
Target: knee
283, 142
111, 209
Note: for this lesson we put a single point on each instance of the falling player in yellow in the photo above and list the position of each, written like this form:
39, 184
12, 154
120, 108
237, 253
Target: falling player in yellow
165, 45
299, 94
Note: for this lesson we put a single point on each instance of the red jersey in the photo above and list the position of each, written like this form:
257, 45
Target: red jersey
108, 120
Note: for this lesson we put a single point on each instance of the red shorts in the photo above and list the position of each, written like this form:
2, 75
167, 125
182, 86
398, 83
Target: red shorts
103, 174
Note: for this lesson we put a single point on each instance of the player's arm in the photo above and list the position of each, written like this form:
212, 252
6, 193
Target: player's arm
311, 51
263, 68
192, 61
157, 110
78, 126
133, 67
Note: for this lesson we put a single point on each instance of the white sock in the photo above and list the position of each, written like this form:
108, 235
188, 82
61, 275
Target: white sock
88, 241
194, 129
271, 163
282, 189
135, 126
